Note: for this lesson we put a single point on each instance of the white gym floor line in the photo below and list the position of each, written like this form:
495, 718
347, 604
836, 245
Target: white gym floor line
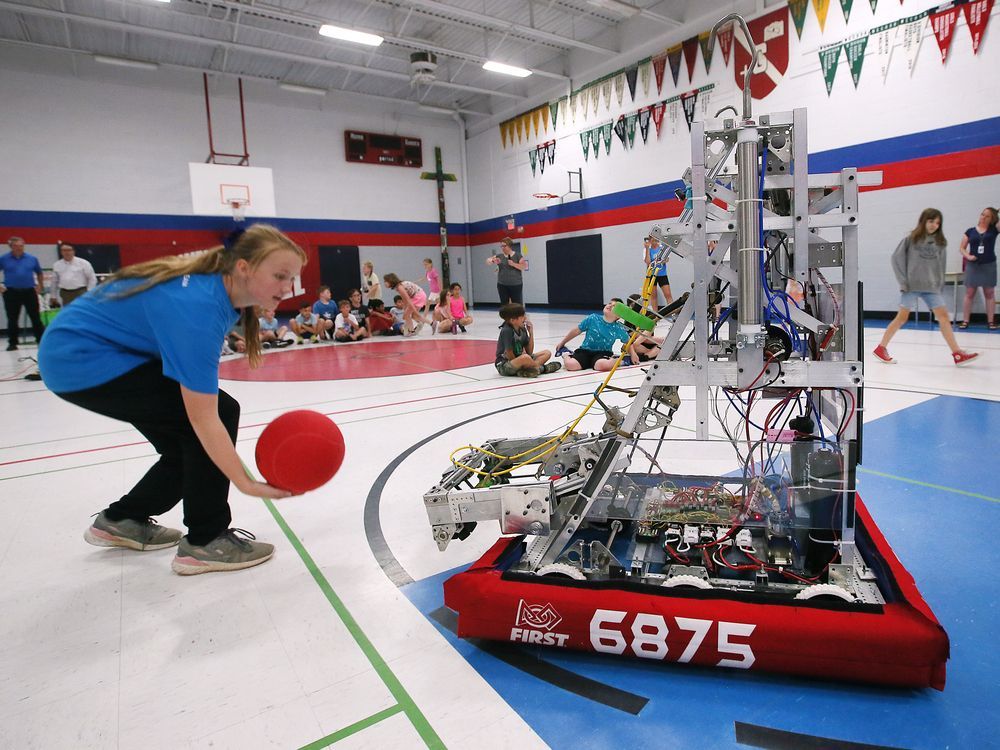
107, 648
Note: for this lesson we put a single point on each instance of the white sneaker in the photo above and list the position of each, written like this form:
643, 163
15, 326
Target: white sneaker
419, 328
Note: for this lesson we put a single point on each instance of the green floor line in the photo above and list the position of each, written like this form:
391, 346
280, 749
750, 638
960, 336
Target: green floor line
403, 698
353, 728
931, 486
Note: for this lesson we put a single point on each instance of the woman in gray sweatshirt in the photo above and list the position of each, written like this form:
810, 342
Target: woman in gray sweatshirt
918, 263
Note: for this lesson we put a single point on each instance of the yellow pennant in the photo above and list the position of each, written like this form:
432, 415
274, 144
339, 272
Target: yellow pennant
821, 7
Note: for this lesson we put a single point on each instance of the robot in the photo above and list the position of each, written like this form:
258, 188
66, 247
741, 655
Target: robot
746, 546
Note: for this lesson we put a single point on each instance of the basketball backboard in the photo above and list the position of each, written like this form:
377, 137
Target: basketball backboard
215, 187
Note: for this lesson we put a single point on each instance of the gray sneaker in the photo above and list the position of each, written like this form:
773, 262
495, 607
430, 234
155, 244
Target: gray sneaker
140, 535
234, 549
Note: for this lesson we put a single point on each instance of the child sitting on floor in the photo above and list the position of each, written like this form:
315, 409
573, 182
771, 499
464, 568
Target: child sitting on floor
272, 333
380, 321
346, 327
602, 332
516, 355
307, 325
459, 311
441, 321
398, 315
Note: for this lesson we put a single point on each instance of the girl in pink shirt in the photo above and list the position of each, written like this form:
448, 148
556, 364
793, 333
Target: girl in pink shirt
433, 283
459, 312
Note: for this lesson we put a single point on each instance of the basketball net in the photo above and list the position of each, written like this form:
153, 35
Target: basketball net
239, 210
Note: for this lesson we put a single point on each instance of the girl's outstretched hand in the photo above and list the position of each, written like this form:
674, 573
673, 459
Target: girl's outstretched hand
260, 489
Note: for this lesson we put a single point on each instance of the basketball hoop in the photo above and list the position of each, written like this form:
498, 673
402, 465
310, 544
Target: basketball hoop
239, 208
544, 197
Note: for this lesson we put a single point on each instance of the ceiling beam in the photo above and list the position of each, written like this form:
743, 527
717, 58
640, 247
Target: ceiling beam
501, 25
401, 41
247, 77
251, 49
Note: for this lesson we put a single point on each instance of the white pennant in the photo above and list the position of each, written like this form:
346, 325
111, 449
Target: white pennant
885, 41
620, 87
704, 99
913, 35
645, 73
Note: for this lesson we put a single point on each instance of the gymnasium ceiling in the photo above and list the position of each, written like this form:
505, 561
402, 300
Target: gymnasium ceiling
560, 41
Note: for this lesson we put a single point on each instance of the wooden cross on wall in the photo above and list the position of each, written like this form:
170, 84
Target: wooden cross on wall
441, 177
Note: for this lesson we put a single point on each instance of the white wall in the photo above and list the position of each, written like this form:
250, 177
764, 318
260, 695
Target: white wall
79, 136
934, 96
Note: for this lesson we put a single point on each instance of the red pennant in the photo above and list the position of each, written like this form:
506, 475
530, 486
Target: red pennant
943, 25
770, 36
659, 66
690, 47
725, 38
977, 15
657, 112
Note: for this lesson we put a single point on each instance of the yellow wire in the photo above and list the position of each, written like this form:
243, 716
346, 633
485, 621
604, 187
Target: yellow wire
534, 456
648, 285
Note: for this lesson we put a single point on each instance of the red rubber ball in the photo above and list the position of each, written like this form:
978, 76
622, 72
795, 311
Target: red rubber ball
300, 451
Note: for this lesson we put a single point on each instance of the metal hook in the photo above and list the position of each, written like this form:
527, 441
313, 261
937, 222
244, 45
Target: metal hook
747, 108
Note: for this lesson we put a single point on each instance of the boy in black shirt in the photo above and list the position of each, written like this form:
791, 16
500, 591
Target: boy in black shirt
516, 355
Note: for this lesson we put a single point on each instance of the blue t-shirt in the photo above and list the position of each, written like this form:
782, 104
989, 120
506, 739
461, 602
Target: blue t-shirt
601, 335
328, 310
99, 337
19, 273
983, 246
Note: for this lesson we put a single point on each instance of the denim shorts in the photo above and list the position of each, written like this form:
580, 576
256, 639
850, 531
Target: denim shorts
933, 300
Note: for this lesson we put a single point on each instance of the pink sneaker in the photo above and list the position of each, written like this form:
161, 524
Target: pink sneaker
882, 355
963, 358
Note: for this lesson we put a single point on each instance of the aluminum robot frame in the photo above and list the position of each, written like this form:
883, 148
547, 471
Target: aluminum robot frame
769, 557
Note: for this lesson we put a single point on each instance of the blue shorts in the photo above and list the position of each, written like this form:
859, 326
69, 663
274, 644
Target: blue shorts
933, 300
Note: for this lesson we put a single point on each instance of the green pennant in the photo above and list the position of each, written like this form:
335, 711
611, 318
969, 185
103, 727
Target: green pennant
874, 4
554, 111
855, 51
798, 10
828, 59
845, 5
532, 157
585, 142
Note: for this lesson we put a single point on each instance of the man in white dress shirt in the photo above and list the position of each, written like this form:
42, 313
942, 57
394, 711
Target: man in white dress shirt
71, 276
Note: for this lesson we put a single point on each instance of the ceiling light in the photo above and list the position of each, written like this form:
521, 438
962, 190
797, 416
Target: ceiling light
616, 5
509, 70
126, 62
302, 89
437, 110
350, 35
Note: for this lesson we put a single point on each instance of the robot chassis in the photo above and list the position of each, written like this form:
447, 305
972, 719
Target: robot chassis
582, 499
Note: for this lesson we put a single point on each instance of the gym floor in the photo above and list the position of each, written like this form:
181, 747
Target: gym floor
341, 639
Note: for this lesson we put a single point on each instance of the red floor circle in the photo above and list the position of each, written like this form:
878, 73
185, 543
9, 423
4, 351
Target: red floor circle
368, 359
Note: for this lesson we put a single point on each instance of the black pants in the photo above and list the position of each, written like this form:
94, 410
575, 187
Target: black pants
510, 293
151, 402
13, 301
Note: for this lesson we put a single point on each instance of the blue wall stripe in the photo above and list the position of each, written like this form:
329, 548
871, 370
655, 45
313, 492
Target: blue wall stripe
952, 139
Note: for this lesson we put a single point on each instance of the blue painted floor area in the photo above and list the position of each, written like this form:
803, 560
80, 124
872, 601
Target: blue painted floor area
945, 539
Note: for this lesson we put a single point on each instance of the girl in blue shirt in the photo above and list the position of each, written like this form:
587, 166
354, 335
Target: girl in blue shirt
143, 349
